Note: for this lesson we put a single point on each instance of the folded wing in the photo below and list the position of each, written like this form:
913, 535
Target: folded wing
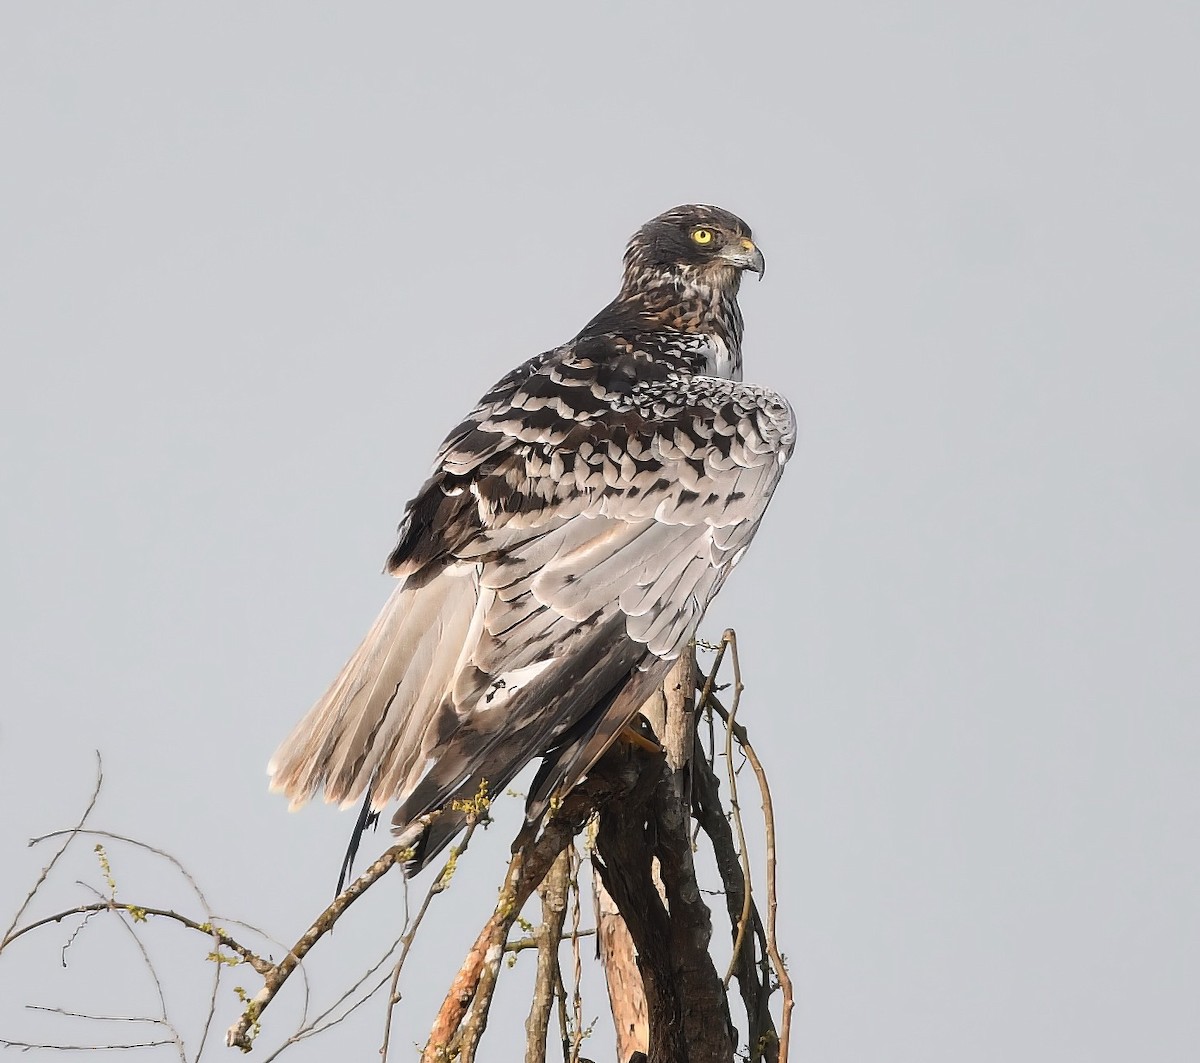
551, 570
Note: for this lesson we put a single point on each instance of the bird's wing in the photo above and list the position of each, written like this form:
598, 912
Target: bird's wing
562, 554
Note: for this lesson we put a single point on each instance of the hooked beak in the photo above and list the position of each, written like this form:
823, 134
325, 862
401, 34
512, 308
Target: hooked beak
745, 255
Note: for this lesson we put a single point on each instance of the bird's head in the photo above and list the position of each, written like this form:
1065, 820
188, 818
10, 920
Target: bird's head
694, 244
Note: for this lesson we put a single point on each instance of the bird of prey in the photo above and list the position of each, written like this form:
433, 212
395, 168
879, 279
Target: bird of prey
557, 561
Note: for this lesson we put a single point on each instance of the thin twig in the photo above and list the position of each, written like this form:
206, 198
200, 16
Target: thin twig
311, 1028
755, 980
93, 1018
240, 1033
137, 912
439, 885
768, 807
730, 639
702, 703
158, 989
560, 1007
176, 1040
533, 941
711, 678
195, 886
25, 1046
71, 836
318, 1025
218, 968
212, 1010
577, 965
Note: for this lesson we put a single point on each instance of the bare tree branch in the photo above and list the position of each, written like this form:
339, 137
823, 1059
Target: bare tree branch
546, 939
668, 1000
71, 835
615, 775
440, 884
577, 1031
93, 1018
730, 639
768, 807
687, 1007
137, 844
26, 1045
139, 914
164, 1019
240, 1033
754, 985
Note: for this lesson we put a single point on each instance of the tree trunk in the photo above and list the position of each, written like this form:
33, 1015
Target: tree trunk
642, 843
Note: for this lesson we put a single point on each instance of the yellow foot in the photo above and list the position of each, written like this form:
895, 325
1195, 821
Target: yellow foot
632, 737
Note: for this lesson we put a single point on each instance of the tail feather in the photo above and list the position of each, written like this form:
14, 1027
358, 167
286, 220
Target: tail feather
376, 719
462, 679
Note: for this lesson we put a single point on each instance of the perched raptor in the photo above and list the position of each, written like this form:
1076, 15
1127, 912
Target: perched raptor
557, 561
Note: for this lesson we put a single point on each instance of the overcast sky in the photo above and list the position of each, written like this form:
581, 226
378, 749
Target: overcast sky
256, 259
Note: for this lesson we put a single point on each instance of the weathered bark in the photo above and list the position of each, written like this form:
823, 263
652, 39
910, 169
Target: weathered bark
553, 892
619, 958
686, 1004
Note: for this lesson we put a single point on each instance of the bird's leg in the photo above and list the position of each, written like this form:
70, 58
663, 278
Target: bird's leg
632, 735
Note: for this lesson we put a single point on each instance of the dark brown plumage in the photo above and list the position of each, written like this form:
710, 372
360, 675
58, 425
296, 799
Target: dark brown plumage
560, 556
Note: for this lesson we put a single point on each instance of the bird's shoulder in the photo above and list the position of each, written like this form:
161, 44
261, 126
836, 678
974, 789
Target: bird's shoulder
611, 384
611, 424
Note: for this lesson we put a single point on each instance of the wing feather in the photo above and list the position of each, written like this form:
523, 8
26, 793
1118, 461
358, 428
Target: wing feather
556, 562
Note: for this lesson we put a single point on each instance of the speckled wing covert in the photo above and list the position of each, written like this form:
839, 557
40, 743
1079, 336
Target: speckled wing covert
557, 561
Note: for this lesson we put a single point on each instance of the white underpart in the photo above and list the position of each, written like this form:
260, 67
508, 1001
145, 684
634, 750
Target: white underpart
718, 362
721, 362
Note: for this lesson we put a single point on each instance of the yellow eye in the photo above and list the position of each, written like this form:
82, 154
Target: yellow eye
702, 236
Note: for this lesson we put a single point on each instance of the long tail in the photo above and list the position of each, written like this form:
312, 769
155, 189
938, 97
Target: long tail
380, 719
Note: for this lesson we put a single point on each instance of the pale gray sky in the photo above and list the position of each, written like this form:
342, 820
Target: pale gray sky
255, 260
